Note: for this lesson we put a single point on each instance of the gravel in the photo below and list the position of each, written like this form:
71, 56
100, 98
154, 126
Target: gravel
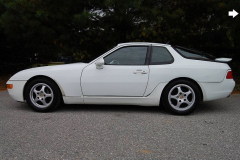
119, 132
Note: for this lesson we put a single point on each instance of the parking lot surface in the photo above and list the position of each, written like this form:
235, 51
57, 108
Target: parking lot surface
119, 132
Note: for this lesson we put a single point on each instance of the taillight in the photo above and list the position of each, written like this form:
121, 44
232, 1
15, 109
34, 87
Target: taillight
229, 75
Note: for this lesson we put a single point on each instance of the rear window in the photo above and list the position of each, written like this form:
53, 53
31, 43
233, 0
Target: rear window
193, 54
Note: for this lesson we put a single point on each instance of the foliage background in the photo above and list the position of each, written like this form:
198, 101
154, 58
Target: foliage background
86, 29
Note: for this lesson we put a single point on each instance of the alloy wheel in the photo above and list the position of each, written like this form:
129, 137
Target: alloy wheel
181, 97
41, 95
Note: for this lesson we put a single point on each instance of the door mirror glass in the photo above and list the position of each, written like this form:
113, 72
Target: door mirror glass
99, 63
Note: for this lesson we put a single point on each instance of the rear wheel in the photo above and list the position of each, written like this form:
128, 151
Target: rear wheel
181, 97
43, 95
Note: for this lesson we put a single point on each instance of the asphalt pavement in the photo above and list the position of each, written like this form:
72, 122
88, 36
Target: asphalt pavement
119, 132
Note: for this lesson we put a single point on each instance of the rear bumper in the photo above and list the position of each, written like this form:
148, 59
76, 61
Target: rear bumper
17, 91
212, 91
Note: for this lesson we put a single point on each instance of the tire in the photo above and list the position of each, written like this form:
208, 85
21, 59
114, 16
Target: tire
43, 95
181, 97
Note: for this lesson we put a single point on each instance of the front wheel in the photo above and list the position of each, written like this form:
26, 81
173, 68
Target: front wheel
43, 95
181, 97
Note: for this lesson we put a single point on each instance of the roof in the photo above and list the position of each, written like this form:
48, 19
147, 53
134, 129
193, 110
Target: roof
142, 43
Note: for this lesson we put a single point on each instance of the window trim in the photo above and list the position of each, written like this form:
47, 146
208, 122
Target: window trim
160, 63
146, 58
200, 59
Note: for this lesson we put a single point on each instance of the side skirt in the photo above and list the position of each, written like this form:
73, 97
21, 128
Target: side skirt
151, 100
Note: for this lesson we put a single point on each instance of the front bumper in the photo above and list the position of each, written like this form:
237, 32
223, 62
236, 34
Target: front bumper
17, 91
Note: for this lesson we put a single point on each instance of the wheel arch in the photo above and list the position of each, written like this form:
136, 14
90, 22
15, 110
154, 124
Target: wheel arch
42, 76
188, 79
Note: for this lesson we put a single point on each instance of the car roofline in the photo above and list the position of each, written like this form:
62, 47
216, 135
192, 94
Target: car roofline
142, 43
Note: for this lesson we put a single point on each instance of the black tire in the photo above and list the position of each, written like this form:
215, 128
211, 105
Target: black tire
43, 95
181, 101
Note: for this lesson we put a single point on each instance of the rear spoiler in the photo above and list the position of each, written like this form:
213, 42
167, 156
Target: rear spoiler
223, 59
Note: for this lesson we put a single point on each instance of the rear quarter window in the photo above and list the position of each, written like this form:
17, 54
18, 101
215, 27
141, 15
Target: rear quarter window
160, 55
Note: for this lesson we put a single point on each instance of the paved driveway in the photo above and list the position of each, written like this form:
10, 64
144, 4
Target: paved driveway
119, 132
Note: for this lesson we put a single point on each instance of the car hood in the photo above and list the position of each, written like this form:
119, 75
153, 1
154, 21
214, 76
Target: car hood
50, 71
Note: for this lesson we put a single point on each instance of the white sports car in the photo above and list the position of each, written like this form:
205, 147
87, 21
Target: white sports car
147, 74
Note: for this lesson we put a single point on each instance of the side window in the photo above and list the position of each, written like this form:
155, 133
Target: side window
135, 55
161, 55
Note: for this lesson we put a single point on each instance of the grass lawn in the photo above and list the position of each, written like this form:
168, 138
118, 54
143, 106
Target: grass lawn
5, 78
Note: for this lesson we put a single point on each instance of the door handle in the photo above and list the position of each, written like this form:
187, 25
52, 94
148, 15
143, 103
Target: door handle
140, 71
144, 72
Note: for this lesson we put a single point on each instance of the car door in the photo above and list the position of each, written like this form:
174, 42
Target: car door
124, 73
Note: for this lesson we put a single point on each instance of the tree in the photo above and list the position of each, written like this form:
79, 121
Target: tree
86, 29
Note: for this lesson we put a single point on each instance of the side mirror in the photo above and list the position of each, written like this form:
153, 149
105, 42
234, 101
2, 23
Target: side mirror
99, 63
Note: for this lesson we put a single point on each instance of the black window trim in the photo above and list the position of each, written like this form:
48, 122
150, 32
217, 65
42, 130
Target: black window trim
146, 58
201, 59
159, 63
